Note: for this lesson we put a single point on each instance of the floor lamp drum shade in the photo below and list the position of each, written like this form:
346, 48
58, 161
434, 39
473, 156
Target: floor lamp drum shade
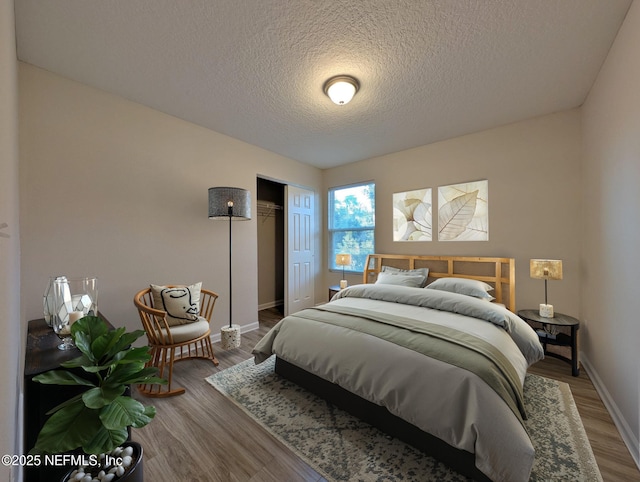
225, 202
230, 203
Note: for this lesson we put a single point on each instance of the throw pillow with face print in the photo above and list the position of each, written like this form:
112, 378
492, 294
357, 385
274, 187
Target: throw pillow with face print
182, 303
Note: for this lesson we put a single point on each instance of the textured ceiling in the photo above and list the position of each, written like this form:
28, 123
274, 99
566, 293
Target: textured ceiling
429, 69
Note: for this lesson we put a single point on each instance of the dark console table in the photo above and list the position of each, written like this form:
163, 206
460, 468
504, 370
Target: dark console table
42, 355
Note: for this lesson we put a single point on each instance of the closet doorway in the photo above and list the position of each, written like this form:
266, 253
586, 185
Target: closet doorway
286, 247
271, 245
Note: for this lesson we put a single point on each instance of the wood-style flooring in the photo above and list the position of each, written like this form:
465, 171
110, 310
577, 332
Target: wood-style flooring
202, 436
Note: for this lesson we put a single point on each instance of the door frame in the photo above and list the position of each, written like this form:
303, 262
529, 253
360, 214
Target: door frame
318, 239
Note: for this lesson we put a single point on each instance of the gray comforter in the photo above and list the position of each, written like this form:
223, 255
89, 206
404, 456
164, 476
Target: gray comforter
375, 341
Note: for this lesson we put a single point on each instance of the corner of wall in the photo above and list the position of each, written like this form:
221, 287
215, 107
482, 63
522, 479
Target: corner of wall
618, 419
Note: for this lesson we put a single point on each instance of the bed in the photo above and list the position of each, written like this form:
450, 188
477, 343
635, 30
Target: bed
428, 349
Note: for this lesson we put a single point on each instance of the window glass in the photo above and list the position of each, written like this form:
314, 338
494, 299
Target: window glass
352, 221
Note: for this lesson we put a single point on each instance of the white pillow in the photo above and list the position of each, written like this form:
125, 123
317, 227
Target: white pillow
182, 303
412, 280
418, 271
464, 286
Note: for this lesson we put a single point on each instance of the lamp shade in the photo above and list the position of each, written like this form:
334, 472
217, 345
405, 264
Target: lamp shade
545, 269
343, 260
229, 202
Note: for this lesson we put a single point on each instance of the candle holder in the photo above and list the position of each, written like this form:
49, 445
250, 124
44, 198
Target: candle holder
72, 299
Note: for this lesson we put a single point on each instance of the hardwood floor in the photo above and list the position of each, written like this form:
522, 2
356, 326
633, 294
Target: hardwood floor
202, 436
612, 455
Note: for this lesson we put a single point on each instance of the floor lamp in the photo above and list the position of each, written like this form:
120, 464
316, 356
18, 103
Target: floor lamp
232, 204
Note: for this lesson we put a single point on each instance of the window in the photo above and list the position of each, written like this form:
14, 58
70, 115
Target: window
352, 221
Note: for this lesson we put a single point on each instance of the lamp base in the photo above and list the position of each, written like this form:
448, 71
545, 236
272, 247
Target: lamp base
343, 284
546, 311
230, 337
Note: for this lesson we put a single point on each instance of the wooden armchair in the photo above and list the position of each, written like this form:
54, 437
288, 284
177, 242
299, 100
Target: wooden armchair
171, 344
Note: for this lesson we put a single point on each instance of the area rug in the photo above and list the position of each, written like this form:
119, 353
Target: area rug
343, 448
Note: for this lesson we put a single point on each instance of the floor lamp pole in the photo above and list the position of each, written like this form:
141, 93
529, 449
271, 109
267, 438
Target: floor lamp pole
230, 281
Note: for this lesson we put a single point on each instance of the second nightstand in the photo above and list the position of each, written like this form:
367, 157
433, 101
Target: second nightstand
333, 290
559, 339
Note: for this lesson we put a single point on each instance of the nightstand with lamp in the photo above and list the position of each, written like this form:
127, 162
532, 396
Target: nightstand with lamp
544, 317
341, 260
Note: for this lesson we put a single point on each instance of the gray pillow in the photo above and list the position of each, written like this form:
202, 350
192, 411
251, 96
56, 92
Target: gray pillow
418, 271
464, 286
401, 279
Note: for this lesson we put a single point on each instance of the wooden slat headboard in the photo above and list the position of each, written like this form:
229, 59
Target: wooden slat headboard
498, 272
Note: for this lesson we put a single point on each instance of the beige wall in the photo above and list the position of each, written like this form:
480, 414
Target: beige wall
10, 351
534, 197
116, 190
611, 230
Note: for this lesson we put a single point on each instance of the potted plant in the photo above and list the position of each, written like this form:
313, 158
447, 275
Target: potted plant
96, 421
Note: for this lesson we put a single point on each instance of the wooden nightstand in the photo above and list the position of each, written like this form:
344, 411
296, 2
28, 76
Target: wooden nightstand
544, 325
333, 290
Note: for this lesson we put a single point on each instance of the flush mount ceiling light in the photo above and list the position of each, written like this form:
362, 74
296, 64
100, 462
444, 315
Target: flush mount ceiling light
341, 89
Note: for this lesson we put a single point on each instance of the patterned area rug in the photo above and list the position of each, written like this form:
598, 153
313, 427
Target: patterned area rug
342, 448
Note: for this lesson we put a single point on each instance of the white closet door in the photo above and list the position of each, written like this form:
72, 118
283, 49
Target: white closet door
299, 251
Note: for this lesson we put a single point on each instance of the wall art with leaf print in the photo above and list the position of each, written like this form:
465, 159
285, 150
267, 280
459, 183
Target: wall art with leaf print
412, 215
463, 212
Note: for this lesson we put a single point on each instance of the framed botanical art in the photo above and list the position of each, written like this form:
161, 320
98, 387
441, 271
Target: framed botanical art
412, 215
463, 212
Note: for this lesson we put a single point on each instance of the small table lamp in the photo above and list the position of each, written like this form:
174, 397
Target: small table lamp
545, 269
343, 260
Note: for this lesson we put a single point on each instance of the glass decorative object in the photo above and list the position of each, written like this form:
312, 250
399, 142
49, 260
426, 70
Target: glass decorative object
73, 299
47, 301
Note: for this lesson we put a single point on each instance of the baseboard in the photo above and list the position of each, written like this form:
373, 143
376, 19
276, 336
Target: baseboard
17, 471
621, 424
215, 337
270, 304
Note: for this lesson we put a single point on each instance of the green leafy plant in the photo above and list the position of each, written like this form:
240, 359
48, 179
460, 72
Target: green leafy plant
97, 420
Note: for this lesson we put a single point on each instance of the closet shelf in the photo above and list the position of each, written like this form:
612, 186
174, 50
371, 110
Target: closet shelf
267, 209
